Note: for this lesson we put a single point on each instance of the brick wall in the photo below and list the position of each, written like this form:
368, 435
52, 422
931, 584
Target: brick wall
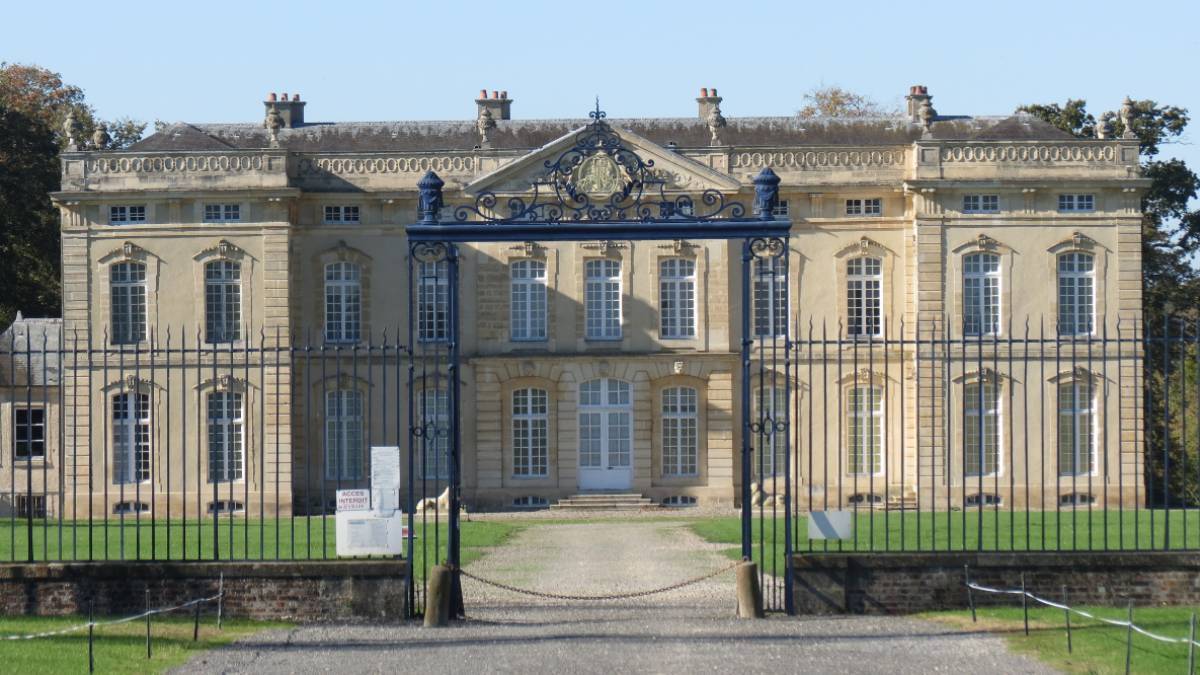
294, 591
899, 583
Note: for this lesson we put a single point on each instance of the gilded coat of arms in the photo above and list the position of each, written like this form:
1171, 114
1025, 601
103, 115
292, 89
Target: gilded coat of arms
598, 175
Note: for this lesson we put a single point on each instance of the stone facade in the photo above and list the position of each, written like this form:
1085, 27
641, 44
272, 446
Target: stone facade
892, 190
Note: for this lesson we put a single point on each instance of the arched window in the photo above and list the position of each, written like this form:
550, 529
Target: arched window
131, 437
1076, 293
530, 432
343, 302
770, 297
527, 312
222, 301
680, 431
127, 292
433, 412
344, 434
1076, 427
226, 437
677, 298
602, 299
605, 433
864, 297
769, 417
981, 294
981, 428
864, 425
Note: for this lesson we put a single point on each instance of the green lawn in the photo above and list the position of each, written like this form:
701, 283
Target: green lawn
119, 648
1098, 648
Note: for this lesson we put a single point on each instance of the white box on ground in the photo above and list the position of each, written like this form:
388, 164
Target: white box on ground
362, 531
830, 525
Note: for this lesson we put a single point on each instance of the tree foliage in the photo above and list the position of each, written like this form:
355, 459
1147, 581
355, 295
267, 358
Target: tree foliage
833, 101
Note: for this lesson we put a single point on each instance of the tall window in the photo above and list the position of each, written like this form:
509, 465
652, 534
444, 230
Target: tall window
677, 298
531, 432
602, 299
680, 432
864, 289
226, 437
29, 433
981, 294
864, 425
128, 294
131, 437
222, 301
1076, 428
343, 302
1076, 293
769, 410
527, 319
770, 297
433, 301
981, 428
605, 424
433, 410
344, 434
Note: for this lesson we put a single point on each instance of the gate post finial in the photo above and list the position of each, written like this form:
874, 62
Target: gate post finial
766, 193
429, 189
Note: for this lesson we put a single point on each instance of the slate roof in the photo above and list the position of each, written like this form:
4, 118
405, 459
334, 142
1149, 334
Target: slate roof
31, 347
416, 136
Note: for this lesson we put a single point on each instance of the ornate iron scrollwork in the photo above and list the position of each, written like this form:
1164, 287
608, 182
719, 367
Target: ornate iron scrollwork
430, 251
767, 247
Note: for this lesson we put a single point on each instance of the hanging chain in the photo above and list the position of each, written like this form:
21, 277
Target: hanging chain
610, 596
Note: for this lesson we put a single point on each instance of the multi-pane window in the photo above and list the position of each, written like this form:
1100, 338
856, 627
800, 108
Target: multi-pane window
222, 213
527, 311
981, 204
981, 428
864, 297
770, 297
769, 415
680, 432
131, 437
433, 410
433, 301
343, 302
341, 214
222, 301
605, 424
29, 433
1076, 293
677, 298
981, 294
344, 434
127, 292
1076, 428
864, 207
864, 428
602, 299
1076, 202
226, 436
780, 208
531, 432
120, 215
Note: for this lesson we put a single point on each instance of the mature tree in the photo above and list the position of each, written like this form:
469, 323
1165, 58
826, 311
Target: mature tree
34, 103
834, 101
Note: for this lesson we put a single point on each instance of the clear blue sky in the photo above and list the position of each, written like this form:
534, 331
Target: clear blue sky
214, 61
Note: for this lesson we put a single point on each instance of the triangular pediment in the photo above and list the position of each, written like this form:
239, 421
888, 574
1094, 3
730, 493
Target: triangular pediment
681, 174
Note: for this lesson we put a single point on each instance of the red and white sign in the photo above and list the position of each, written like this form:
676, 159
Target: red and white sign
353, 500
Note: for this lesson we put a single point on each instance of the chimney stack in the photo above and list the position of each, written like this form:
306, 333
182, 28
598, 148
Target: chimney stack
917, 94
291, 110
707, 100
498, 104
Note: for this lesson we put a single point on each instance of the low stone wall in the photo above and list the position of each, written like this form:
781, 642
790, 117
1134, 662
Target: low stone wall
899, 583
295, 591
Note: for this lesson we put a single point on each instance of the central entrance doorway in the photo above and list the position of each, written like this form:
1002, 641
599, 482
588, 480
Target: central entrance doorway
605, 435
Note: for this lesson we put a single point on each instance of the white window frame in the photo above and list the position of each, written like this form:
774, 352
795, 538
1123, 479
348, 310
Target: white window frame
344, 435
606, 420
864, 293
981, 294
602, 299
127, 302
680, 432
226, 437
771, 297
125, 214
677, 298
1076, 293
222, 301
527, 300
23, 434
871, 206
780, 208
1076, 203
981, 203
987, 420
857, 454
343, 302
433, 409
341, 214
131, 437
222, 213
1071, 436
433, 302
531, 432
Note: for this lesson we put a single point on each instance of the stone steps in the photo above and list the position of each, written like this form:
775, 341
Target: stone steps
604, 501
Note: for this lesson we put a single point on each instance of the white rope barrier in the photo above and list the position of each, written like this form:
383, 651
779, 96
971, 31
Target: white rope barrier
112, 622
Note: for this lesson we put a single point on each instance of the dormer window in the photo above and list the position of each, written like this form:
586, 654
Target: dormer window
130, 213
1076, 202
335, 215
981, 204
864, 207
222, 213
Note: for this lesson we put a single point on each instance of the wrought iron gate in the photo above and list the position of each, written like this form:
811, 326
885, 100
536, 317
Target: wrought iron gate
598, 189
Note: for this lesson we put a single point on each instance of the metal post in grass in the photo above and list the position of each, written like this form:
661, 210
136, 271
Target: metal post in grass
1192, 646
1024, 603
970, 596
196, 624
220, 599
91, 636
1129, 640
147, 621
1067, 614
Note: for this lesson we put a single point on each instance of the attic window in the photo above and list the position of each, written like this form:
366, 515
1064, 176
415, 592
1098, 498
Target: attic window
981, 204
1068, 203
341, 214
864, 207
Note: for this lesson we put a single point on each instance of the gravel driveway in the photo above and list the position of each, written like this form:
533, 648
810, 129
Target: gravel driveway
686, 630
